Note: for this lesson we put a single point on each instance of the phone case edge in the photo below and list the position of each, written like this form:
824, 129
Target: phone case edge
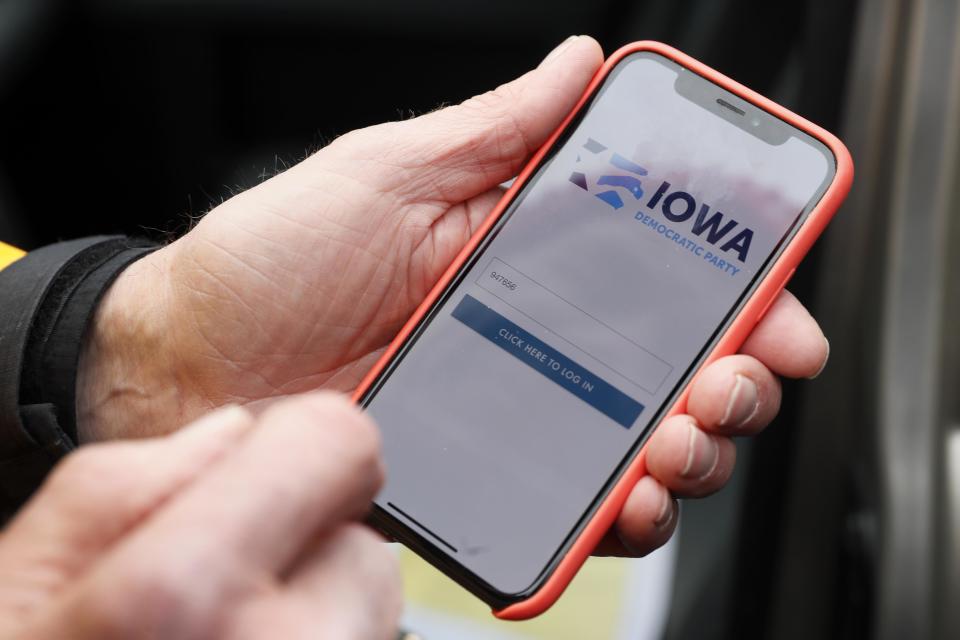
729, 343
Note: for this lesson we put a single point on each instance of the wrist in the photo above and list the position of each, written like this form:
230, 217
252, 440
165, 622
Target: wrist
126, 378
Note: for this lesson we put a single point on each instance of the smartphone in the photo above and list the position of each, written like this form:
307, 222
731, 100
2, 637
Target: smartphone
644, 240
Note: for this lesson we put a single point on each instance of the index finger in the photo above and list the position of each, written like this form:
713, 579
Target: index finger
788, 340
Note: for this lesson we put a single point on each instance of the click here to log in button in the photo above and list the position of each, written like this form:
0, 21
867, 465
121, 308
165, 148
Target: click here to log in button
547, 361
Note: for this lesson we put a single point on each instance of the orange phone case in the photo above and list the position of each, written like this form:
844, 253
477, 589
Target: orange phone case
752, 311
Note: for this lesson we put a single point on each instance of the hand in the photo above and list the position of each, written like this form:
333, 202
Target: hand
693, 455
300, 283
233, 528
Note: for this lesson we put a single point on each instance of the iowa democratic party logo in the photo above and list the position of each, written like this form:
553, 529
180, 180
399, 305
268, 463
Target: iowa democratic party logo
676, 206
629, 183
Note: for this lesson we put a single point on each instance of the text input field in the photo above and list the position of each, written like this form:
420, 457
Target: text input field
575, 326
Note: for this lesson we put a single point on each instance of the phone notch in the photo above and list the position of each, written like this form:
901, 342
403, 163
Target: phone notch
726, 105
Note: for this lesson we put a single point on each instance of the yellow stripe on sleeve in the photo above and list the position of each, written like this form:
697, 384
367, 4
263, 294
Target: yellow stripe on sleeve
9, 254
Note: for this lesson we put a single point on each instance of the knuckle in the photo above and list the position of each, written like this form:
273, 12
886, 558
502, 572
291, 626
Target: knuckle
88, 470
83, 461
363, 142
353, 433
336, 429
491, 103
158, 583
496, 109
348, 140
483, 106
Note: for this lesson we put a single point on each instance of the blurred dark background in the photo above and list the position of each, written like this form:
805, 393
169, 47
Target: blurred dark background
124, 115
134, 115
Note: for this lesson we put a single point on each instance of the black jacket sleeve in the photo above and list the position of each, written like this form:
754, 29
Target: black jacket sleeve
47, 300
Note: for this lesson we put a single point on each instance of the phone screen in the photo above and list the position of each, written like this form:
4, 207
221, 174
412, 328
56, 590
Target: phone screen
536, 377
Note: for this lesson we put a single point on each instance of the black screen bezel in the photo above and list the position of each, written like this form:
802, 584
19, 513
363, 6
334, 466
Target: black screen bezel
398, 529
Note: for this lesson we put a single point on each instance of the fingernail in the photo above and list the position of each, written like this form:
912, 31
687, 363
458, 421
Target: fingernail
743, 403
558, 50
665, 514
826, 359
703, 454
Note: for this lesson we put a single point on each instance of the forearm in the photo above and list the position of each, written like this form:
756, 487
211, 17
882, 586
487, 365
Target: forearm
128, 382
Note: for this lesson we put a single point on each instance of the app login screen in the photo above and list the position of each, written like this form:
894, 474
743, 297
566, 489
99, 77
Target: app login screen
538, 374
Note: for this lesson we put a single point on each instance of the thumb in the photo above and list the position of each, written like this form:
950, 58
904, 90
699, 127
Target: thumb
458, 152
96, 496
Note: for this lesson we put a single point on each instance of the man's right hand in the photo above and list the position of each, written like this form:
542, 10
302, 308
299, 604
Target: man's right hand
235, 527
